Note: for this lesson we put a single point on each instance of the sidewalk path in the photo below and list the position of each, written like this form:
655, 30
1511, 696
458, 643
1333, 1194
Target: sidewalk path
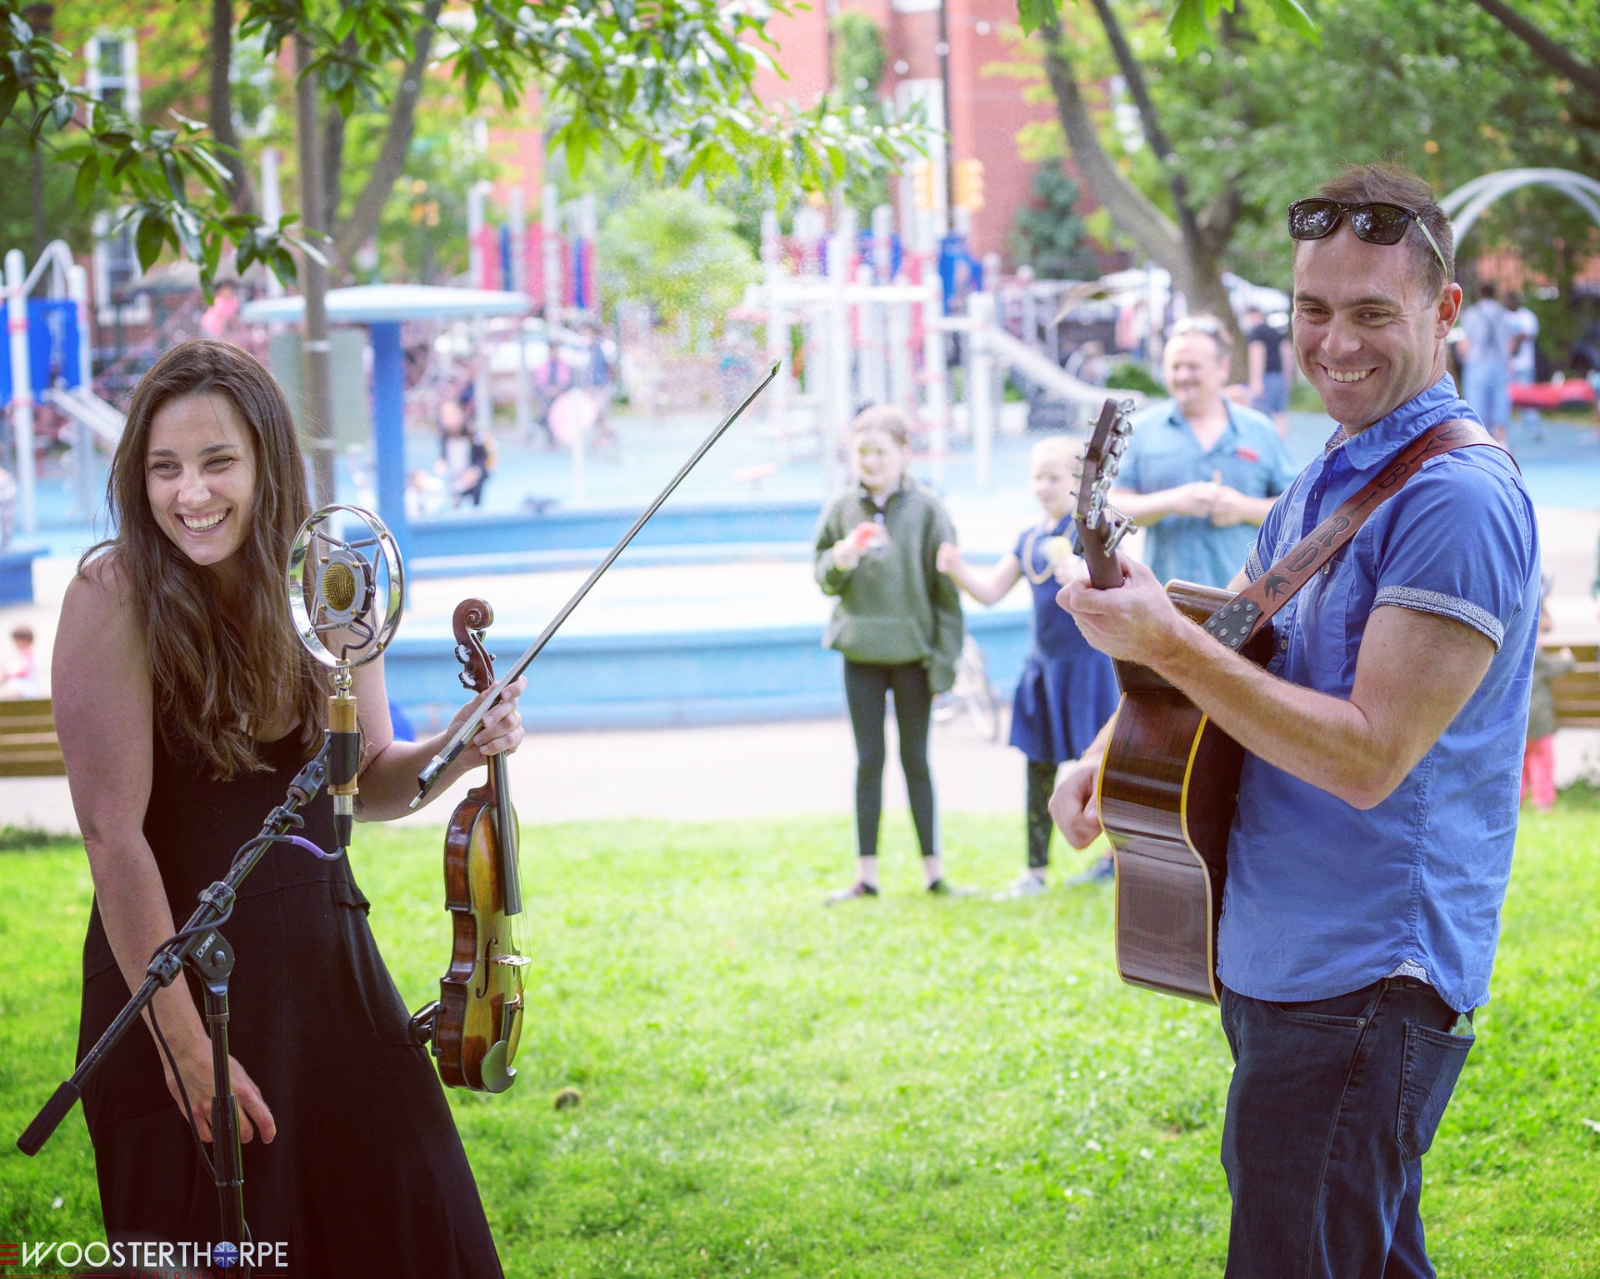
692, 774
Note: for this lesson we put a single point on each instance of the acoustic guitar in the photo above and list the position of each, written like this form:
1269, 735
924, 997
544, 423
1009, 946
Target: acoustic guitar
1169, 780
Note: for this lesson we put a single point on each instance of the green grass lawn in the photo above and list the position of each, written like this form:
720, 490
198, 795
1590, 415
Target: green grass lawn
906, 1087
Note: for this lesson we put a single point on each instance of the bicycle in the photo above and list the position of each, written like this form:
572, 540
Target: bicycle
972, 693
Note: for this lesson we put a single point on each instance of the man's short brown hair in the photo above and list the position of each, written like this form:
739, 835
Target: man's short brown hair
1390, 184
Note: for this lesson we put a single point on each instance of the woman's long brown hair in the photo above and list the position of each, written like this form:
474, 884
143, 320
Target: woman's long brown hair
214, 677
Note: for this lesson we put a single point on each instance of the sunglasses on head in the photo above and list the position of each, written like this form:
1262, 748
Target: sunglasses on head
1376, 222
1205, 325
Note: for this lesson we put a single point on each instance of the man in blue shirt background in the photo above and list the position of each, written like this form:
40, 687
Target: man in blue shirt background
1200, 472
1371, 848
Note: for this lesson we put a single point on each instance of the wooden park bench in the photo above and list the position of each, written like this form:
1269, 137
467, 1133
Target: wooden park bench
28, 745
1577, 693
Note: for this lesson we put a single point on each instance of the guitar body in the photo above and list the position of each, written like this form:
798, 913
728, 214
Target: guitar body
1168, 787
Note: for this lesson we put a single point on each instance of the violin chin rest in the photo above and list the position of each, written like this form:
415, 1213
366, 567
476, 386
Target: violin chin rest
496, 1074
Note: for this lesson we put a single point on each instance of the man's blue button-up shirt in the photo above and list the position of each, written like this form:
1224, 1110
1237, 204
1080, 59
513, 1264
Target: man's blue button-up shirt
1163, 453
1323, 898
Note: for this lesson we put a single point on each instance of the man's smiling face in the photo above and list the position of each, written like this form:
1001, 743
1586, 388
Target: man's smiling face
1368, 333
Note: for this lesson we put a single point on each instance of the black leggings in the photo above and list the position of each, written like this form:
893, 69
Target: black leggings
864, 689
1041, 782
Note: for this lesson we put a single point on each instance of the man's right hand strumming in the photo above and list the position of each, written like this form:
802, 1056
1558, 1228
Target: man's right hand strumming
1072, 805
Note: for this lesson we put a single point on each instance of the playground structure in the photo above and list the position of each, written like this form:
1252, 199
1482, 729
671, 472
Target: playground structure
47, 348
878, 323
1468, 202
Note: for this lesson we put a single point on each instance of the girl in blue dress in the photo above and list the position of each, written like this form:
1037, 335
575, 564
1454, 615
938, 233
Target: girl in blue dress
1067, 690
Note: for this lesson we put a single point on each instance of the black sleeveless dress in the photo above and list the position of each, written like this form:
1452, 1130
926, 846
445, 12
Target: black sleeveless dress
366, 1175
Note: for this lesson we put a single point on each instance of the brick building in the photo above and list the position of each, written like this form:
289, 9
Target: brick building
937, 52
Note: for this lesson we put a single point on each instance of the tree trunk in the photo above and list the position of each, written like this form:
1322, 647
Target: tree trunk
362, 223
240, 190
1187, 251
318, 423
1149, 228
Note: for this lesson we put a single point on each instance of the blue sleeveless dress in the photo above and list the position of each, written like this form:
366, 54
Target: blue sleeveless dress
1067, 690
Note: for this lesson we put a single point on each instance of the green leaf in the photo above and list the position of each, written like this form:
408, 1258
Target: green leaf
284, 266
188, 228
1033, 14
1296, 19
88, 180
1187, 29
152, 233
9, 89
169, 166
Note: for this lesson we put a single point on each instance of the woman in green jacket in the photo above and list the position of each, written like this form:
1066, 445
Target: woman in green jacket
897, 622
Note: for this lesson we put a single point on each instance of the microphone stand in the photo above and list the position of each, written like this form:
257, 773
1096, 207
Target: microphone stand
202, 946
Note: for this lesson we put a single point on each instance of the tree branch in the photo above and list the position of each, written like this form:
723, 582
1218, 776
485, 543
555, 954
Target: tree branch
352, 232
1552, 53
1149, 121
1133, 212
333, 127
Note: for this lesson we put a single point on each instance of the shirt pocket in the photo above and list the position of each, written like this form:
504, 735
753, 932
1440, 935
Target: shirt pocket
1325, 633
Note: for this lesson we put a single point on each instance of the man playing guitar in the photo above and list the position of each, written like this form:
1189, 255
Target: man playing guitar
1377, 806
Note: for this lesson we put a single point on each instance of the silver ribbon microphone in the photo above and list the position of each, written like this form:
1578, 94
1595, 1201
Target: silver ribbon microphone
346, 591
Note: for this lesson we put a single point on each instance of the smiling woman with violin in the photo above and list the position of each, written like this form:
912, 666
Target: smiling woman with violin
184, 705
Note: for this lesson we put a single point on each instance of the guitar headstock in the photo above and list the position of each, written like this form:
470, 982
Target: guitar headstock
1101, 526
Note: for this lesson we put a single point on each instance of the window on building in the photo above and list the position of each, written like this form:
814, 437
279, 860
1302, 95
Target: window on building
112, 71
116, 266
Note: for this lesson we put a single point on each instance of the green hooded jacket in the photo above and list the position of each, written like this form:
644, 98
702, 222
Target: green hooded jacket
894, 606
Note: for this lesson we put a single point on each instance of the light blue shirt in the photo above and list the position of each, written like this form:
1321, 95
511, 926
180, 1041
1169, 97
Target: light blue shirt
1163, 453
1323, 898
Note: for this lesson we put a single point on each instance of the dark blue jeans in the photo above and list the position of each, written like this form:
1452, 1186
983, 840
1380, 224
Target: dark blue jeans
1333, 1103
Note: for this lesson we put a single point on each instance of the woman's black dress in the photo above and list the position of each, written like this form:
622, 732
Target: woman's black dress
367, 1175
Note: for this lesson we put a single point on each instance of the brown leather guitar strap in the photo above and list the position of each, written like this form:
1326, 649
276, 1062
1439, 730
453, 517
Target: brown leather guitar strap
1242, 617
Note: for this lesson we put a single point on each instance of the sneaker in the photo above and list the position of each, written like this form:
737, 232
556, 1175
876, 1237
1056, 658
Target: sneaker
1027, 886
857, 889
944, 888
1103, 869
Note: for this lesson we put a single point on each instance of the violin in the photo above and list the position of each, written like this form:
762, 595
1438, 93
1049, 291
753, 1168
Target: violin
476, 1022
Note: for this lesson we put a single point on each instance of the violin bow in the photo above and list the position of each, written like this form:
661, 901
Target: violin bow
464, 734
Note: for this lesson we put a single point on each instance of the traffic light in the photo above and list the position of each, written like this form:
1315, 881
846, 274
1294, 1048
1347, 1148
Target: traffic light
922, 184
969, 184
